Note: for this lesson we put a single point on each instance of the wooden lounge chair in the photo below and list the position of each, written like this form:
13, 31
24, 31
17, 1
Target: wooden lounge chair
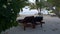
31, 21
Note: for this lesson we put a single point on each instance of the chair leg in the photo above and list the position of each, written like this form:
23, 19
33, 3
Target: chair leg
33, 26
41, 25
24, 26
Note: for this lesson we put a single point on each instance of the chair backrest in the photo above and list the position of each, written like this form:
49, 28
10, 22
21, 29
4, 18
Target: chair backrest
38, 18
29, 19
20, 21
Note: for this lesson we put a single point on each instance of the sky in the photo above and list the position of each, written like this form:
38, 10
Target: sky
33, 1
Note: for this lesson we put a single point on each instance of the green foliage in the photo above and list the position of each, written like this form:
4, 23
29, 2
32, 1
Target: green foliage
39, 4
33, 6
8, 13
55, 2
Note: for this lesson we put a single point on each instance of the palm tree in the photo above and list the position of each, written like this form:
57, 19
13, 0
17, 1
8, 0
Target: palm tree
39, 4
